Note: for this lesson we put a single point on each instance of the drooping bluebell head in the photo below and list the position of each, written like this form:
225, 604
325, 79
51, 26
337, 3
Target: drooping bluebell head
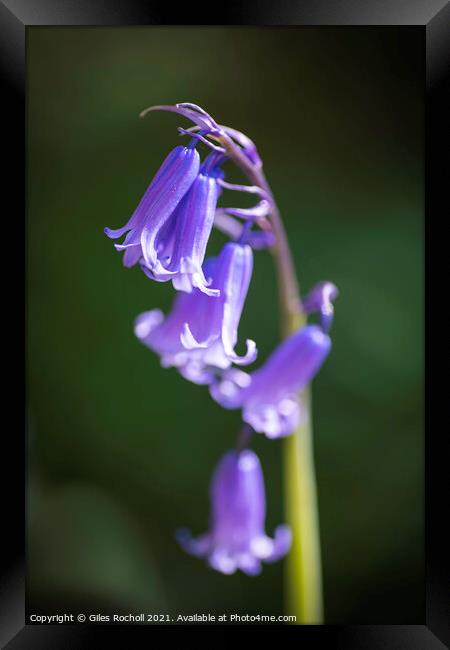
181, 244
168, 187
237, 538
269, 397
200, 333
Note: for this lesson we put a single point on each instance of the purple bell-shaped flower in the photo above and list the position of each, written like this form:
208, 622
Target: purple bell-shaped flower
181, 244
200, 333
237, 539
268, 397
172, 181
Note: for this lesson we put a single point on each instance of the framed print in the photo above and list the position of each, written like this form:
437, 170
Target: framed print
226, 274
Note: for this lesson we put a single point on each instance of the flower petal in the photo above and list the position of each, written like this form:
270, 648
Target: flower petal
282, 543
190, 342
199, 547
146, 322
245, 359
222, 561
248, 564
160, 199
229, 389
131, 256
272, 418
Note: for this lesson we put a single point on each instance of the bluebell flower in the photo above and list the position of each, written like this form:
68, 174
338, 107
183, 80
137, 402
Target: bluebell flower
181, 243
269, 397
320, 299
237, 538
172, 181
200, 333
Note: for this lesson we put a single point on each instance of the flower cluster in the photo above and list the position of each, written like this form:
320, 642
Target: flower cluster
167, 235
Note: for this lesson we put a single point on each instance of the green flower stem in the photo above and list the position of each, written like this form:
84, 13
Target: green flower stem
303, 578
303, 564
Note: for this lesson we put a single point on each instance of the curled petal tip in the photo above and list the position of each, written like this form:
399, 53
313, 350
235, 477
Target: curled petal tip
248, 357
229, 390
114, 233
281, 544
212, 293
189, 341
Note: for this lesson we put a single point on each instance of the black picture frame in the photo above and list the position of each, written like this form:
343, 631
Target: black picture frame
433, 16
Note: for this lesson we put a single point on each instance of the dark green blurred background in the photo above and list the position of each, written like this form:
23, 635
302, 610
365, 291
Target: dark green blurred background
120, 451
